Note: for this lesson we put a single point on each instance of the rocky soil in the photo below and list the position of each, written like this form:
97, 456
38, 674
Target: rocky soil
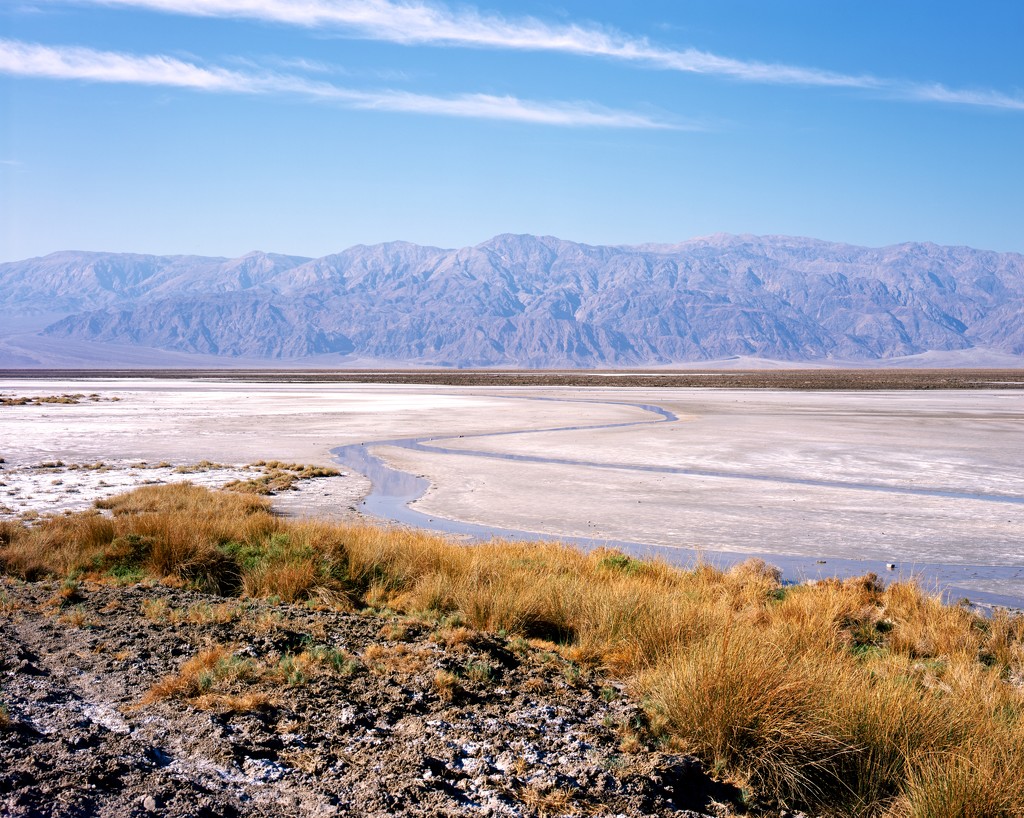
307, 712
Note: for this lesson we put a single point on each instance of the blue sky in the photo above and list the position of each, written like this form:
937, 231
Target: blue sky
305, 126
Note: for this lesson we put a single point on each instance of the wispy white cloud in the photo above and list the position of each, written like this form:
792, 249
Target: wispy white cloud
32, 60
293, 64
940, 93
414, 22
305, 66
420, 22
76, 63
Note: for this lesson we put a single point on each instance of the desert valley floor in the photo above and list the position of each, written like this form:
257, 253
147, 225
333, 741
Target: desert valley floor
816, 481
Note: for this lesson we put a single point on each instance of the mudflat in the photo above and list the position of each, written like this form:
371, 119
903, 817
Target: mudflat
852, 476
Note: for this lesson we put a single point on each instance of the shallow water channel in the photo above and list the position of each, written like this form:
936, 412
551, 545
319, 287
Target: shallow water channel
393, 491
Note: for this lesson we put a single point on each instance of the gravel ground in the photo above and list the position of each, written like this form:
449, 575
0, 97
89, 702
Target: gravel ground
394, 717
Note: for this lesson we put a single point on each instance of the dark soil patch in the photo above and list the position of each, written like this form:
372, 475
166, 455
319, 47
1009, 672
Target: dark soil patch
395, 717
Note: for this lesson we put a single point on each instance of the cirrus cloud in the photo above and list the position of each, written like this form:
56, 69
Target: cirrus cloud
416, 22
77, 63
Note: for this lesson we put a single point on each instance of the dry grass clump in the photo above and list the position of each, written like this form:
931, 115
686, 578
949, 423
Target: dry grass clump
277, 476
304, 469
975, 783
201, 466
845, 698
9, 530
447, 687
159, 610
266, 484
7, 604
56, 546
400, 660
176, 532
182, 498
220, 678
333, 660
202, 613
40, 400
77, 617
551, 800
207, 673
295, 669
454, 637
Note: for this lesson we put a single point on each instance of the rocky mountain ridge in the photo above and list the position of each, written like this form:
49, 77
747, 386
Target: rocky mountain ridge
529, 301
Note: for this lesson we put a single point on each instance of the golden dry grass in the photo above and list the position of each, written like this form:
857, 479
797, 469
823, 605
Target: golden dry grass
551, 801
446, 685
277, 476
200, 613
844, 697
205, 674
220, 678
7, 604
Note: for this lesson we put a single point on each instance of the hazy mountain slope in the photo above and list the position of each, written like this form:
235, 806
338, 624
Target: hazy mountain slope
75, 281
542, 301
233, 324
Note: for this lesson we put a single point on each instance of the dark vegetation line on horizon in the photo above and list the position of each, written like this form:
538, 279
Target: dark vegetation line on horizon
793, 379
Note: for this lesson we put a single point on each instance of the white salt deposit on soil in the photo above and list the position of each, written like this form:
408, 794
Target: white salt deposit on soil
55, 487
52, 487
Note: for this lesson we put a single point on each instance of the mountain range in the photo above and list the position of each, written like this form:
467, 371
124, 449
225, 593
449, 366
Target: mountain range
519, 301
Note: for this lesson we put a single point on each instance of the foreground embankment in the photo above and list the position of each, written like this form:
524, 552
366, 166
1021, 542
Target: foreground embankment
147, 699
837, 698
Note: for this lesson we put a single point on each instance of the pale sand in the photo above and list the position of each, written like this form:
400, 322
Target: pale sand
960, 442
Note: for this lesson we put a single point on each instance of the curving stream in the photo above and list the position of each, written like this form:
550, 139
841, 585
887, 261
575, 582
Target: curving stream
393, 491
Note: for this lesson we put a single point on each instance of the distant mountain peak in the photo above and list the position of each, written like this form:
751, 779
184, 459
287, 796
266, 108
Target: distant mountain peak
542, 301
